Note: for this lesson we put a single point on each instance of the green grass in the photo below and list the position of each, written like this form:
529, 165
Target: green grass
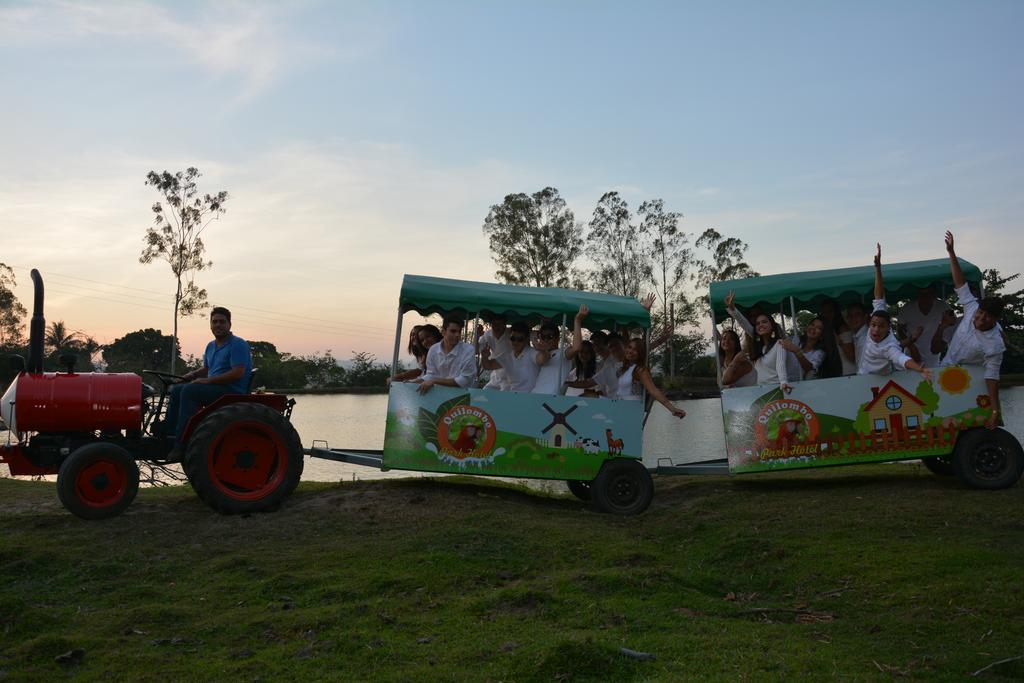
852, 573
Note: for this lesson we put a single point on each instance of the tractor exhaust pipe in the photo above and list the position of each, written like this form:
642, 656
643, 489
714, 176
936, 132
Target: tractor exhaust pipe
37, 328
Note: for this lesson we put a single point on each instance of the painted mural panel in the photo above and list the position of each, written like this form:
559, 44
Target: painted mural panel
498, 433
862, 418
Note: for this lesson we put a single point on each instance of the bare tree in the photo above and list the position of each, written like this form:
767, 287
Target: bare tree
177, 237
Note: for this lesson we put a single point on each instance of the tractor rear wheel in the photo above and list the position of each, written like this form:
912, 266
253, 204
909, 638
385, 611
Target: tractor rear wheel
98, 481
623, 487
988, 458
244, 457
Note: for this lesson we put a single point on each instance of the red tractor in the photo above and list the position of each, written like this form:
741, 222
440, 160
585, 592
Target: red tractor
241, 454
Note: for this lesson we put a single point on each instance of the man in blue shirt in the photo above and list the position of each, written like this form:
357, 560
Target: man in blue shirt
227, 369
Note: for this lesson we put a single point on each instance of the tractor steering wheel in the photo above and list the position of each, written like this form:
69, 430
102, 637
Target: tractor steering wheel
165, 377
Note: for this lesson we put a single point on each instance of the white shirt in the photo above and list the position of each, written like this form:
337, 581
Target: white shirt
625, 388
551, 375
815, 357
519, 372
459, 364
498, 346
911, 316
747, 380
605, 376
877, 358
971, 346
771, 367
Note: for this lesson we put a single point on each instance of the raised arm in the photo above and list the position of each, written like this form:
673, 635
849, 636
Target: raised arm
954, 264
740, 319
879, 286
577, 332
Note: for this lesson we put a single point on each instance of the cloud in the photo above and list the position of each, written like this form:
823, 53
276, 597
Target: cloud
709, 191
245, 42
600, 416
581, 404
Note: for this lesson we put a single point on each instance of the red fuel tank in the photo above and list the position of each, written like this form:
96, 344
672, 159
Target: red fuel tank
69, 402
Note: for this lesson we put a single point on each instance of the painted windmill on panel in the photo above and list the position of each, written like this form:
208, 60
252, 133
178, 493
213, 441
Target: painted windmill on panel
559, 433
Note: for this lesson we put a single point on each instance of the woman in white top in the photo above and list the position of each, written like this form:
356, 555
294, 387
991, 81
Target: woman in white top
768, 356
581, 380
811, 351
421, 338
634, 377
736, 368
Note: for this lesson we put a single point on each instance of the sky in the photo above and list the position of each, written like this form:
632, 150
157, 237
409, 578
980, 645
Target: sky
361, 141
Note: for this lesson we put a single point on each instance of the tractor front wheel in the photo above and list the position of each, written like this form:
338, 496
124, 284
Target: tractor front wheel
988, 458
98, 481
245, 457
623, 487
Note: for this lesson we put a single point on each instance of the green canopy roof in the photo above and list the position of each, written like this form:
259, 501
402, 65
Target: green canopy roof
845, 285
427, 295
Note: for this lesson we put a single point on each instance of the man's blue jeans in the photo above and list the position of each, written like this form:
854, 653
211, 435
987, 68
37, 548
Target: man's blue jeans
185, 401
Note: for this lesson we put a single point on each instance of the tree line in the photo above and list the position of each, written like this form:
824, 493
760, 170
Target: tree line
535, 239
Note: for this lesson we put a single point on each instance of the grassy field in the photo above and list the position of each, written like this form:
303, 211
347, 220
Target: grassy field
856, 573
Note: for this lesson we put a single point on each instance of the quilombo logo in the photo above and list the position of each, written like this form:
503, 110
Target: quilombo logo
786, 429
466, 432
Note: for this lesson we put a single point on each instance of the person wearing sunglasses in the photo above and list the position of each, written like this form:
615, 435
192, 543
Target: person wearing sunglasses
550, 374
518, 363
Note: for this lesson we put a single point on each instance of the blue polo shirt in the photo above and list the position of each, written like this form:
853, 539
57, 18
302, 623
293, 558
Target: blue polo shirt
220, 360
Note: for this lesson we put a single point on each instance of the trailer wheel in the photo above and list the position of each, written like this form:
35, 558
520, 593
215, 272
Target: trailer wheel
98, 481
940, 464
580, 489
244, 457
988, 458
623, 487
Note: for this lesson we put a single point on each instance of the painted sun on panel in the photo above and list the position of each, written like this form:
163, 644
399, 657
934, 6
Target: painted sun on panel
954, 380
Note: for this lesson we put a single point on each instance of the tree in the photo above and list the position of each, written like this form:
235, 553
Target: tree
534, 239
11, 310
726, 262
177, 237
366, 372
618, 248
147, 349
1012, 320
58, 336
671, 257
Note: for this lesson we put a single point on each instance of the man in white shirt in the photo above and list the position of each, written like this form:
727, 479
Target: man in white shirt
518, 364
553, 370
451, 363
924, 313
496, 341
977, 340
881, 349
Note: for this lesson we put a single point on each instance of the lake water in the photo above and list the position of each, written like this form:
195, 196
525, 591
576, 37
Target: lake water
357, 421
